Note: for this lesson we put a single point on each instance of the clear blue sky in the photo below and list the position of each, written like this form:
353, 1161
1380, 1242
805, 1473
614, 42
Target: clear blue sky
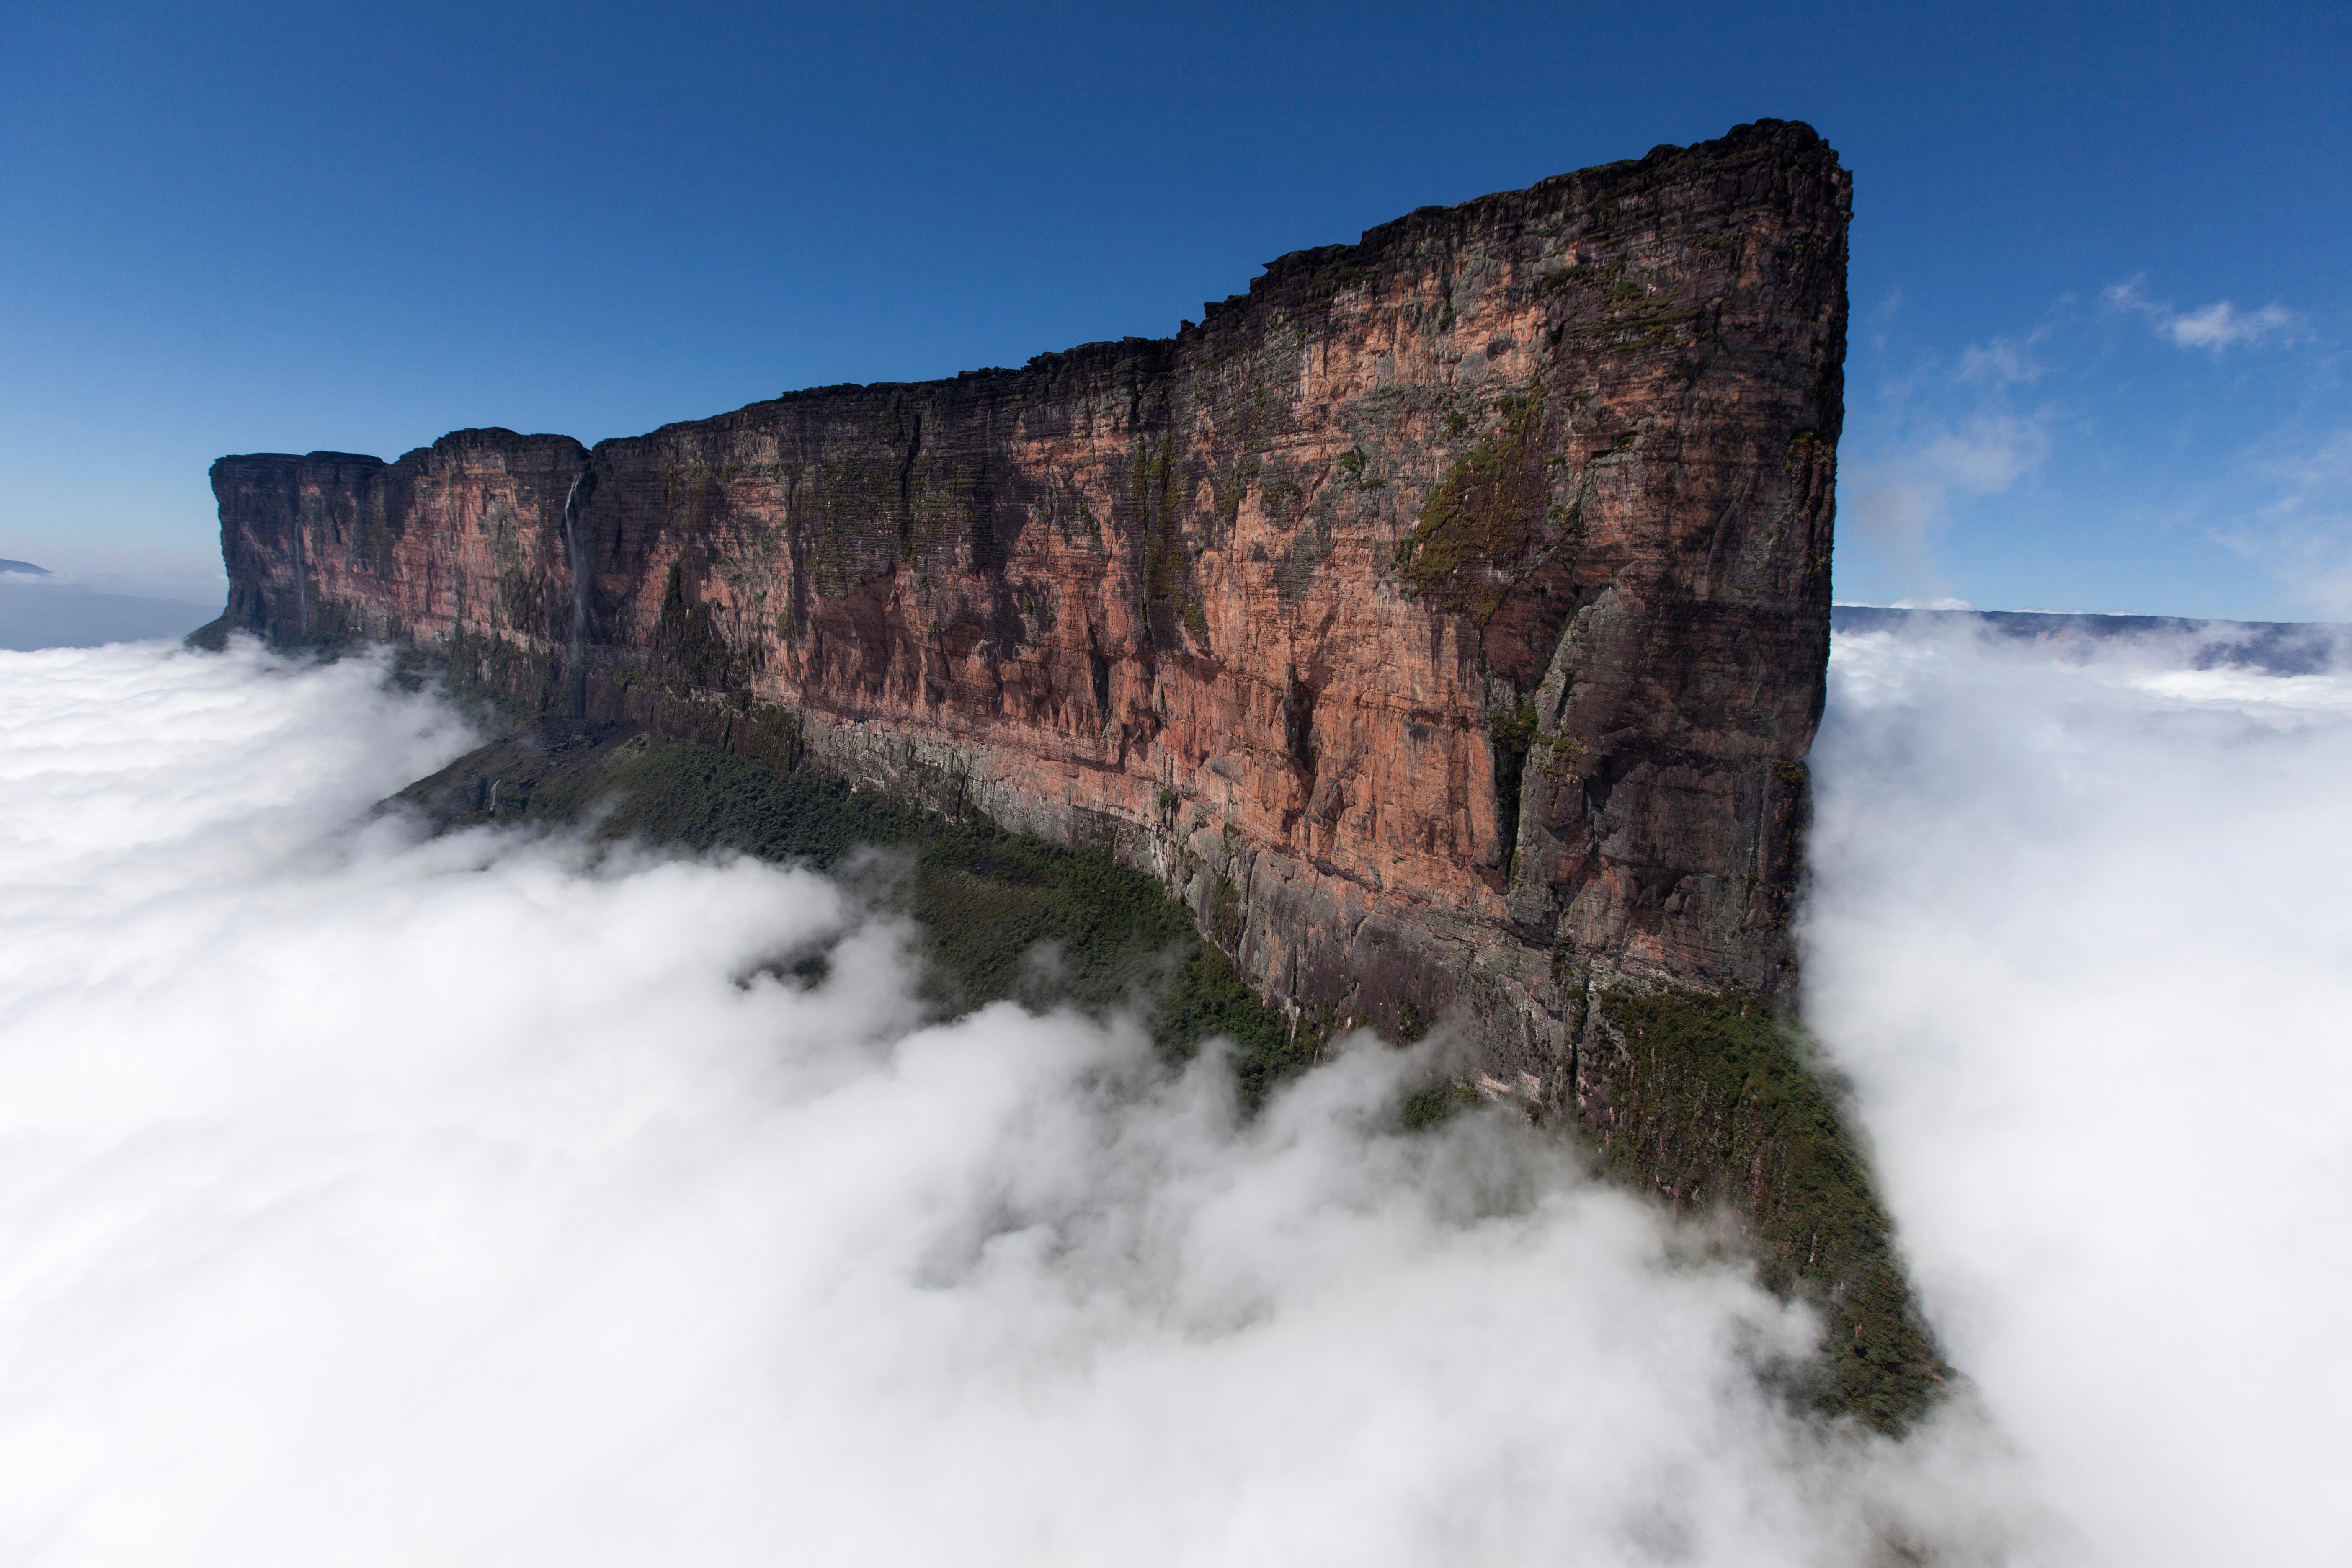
2101, 266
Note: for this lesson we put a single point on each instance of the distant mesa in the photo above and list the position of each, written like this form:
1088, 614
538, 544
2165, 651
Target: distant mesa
2274, 648
40, 609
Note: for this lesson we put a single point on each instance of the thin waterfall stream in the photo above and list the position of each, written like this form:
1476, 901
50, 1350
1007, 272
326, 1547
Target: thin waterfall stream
301, 590
576, 556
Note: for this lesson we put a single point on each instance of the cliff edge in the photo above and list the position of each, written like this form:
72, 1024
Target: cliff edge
1443, 620
1443, 623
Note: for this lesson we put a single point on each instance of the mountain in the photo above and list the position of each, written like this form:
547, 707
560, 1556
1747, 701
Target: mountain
40, 609
1443, 623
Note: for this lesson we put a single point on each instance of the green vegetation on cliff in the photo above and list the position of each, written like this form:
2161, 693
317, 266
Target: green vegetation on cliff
988, 901
1695, 1100
1715, 1099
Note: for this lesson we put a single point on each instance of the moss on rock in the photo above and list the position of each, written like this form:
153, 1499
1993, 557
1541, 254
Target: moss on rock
1715, 1099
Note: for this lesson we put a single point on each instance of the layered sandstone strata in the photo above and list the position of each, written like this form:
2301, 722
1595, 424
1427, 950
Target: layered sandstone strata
1444, 620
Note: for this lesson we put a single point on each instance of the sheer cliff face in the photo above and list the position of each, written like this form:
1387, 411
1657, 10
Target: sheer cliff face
1442, 619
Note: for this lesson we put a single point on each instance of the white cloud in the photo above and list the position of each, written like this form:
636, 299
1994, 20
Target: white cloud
467, 1200
2218, 326
2303, 535
2005, 360
1902, 498
2075, 934
368, 1199
2222, 324
1986, 456
1881, 316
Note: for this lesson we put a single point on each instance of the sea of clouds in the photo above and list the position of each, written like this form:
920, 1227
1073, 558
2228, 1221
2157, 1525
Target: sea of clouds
367, 1197
2080, 932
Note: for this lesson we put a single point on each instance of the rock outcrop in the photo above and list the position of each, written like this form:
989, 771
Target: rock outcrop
1444, 620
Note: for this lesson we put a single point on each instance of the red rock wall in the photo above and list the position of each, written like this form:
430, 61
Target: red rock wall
1444, 618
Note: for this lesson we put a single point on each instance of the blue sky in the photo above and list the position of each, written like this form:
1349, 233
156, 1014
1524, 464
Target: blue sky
2101, 297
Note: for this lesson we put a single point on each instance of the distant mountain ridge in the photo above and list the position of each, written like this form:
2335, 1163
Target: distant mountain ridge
40, 609
2275, 648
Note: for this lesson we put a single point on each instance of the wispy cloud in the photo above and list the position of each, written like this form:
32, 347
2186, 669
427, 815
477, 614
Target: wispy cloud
2117, 415
1901, 498
1881, 316
1949, 433
2013, 359
2004, 360
2216, 327
2302, 536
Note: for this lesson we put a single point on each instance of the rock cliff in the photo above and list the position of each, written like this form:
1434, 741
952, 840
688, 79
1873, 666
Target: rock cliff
1444, 620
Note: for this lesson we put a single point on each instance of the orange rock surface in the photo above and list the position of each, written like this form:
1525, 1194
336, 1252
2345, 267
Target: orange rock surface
1441, 618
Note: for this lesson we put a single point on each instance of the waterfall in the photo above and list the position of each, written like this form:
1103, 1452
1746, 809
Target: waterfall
576, 556
301, 593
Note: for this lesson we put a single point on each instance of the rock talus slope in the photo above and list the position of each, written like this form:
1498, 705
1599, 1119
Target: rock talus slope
1444, 620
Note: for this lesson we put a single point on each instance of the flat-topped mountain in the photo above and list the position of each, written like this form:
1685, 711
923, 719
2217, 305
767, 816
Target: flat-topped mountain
1440, 618
1444, 622
2275, 648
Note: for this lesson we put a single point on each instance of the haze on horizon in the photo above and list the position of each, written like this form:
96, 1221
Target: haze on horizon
2098, 325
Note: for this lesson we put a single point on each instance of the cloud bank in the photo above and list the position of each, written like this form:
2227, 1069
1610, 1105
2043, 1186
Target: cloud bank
370, 1198
2077, 932
366, 1198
